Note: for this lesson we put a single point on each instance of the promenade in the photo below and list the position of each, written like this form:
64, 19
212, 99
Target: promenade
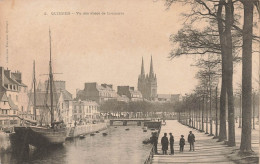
207, 150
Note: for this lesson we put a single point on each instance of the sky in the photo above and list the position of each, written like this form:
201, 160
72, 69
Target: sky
99, 48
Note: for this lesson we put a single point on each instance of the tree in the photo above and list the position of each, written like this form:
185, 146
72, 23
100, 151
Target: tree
247, 75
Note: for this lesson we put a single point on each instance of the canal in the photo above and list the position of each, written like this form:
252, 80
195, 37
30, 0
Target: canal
119, 146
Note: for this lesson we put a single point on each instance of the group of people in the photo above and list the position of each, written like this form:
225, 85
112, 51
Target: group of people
165, 143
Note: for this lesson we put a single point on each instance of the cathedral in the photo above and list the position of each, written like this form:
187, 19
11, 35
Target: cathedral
147, 84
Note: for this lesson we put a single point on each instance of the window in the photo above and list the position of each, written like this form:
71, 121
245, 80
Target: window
22, 108
61, 105
4, 102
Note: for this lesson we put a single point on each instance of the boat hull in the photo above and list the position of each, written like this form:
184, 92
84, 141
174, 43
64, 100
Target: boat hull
40, 136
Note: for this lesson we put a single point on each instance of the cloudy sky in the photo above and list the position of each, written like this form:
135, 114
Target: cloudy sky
95, 48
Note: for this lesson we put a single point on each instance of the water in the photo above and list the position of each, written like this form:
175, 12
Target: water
119, 146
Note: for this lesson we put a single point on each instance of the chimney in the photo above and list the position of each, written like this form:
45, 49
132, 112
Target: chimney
104, 85
90, 86
7, 73
132, 88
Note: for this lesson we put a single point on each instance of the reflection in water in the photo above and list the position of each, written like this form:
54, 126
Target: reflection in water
119, 146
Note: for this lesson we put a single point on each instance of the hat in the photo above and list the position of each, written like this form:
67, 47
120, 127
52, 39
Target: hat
182, 135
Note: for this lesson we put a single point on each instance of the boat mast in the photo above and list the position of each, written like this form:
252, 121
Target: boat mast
34, 91
51, 83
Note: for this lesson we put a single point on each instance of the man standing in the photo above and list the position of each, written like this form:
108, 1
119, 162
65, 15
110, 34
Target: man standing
154, 141
165, 143
182, 143
171, 143
191, 140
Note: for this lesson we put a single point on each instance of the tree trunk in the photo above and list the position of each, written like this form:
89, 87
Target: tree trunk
240, 110
247, 76
216, 120
222, 127
207, 113
231, 119
253, 110
210, 111
202, 114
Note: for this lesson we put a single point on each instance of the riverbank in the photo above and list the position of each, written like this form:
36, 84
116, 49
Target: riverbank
85, 129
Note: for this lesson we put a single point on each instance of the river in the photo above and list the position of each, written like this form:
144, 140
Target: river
118, 147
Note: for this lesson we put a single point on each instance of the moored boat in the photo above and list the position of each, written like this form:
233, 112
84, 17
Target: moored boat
41, 136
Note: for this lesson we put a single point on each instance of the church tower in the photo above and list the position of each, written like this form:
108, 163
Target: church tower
141, 81
147, 84
152, 83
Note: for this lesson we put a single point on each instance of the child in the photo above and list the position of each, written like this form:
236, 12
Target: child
182, 143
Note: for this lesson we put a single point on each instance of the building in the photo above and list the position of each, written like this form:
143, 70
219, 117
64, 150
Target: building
173, 98
61, 98
14, 99
123, 98
97, 93
164, 97
84, 111
176, 98
147, 84
129, 92
8, 112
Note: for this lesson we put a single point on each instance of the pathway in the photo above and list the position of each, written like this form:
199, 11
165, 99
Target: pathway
207, 150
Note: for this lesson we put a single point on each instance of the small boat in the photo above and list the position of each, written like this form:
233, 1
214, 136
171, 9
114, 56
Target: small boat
115, 127
92, 134
146, 141
97, 131
127, 129
104, 134
152, 129
144, 130
82, 136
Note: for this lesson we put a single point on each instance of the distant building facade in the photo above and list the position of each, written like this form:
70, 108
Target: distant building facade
130, 93
173, 98
147, 84
98, 93
83, 111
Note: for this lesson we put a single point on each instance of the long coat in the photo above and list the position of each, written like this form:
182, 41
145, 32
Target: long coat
164, 143
182, 142
191, 138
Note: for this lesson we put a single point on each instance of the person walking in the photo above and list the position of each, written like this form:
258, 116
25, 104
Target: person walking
165, 143
191, 140
182, 143
171, 143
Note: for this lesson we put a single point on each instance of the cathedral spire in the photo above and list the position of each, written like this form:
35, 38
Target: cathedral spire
151, 74
142, 68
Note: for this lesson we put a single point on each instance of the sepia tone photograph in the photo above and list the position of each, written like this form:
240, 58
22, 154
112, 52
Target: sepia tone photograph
129, 82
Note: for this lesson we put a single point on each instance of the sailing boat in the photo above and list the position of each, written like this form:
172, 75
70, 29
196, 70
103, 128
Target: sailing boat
40, 136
